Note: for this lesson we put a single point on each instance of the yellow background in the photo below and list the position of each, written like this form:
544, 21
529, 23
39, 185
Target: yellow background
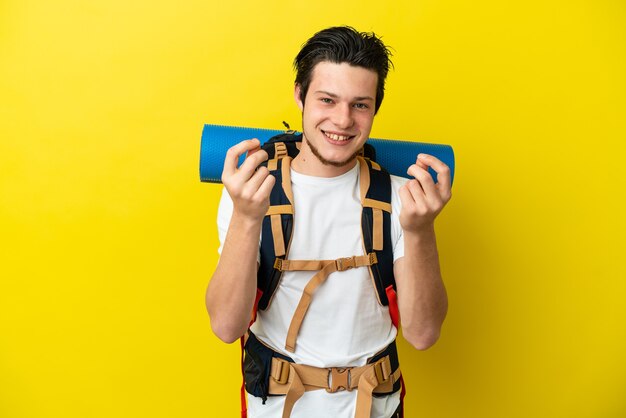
108, 239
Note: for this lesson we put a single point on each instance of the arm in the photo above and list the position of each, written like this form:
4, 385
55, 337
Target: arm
422, 298
232, 289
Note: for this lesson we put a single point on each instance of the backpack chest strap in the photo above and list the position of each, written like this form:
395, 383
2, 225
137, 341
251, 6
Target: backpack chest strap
325, 267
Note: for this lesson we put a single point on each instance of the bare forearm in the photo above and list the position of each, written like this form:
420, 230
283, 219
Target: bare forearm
231, 292
422, 298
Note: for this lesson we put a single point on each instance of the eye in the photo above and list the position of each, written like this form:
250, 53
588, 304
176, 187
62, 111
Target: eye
361, 106
326, 100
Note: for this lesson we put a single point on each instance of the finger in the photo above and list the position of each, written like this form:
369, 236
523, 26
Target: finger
421, 164
424, 178
252, 162
252, 151
236, 151
442, 170
253, 184
415, 188
266, 187
406, 197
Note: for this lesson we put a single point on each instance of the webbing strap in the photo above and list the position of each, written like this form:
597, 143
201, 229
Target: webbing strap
377, 239
367, 383
275, 211
244, 409
286, 178
294, 379
364, 179
300, 265
312, 265
327, 267
377, 206
295, 391
279, 210
402, 394
280, 150
277, 235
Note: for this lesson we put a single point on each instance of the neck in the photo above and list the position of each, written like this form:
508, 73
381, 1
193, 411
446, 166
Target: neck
309, 164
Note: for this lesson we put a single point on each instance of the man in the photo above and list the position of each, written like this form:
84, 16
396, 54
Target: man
339, 88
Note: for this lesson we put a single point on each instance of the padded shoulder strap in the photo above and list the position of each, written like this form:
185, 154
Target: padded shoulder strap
376, 225
276, 231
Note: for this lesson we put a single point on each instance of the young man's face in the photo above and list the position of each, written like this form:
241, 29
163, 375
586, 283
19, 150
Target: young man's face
337, 114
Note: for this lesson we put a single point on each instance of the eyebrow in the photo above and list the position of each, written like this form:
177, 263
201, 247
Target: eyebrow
334, 96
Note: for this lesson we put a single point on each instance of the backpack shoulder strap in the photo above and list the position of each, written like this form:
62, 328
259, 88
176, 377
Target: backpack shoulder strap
278, 221
280, 146
375, 189
276, 232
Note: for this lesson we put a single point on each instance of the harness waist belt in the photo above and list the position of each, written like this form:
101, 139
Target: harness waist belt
268, 372
294, 379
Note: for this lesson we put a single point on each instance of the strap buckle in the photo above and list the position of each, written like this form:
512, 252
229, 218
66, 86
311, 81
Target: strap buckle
283, 373
382, 369
280, 149
339, 379
345, 263
278, 264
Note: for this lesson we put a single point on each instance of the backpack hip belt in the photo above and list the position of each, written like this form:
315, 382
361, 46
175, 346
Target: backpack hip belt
380, 376
294, 379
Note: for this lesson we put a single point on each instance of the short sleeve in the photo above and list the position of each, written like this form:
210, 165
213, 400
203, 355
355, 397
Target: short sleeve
224, 213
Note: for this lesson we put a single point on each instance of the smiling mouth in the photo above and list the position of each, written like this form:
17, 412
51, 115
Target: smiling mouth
337, 137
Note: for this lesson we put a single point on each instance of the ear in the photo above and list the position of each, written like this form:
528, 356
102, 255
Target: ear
296, 95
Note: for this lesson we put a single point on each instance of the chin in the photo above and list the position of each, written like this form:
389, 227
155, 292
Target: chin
335, 160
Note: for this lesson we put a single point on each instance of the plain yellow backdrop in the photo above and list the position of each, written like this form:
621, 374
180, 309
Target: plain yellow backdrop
108, 239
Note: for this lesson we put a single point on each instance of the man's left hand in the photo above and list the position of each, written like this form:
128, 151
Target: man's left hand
422, 199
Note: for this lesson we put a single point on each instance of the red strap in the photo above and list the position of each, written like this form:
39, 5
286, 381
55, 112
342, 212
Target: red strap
255, 308
244, 409
393, 305
392, 297
402, 393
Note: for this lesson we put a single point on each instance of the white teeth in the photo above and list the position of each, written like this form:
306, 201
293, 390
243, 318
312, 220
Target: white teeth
337, 137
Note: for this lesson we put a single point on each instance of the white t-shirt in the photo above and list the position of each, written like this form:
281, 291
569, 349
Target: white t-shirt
345, 324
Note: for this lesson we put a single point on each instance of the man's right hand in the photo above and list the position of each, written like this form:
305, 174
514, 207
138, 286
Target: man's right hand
249, 186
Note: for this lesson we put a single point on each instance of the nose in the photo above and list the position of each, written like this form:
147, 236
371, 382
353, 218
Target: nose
342, 116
